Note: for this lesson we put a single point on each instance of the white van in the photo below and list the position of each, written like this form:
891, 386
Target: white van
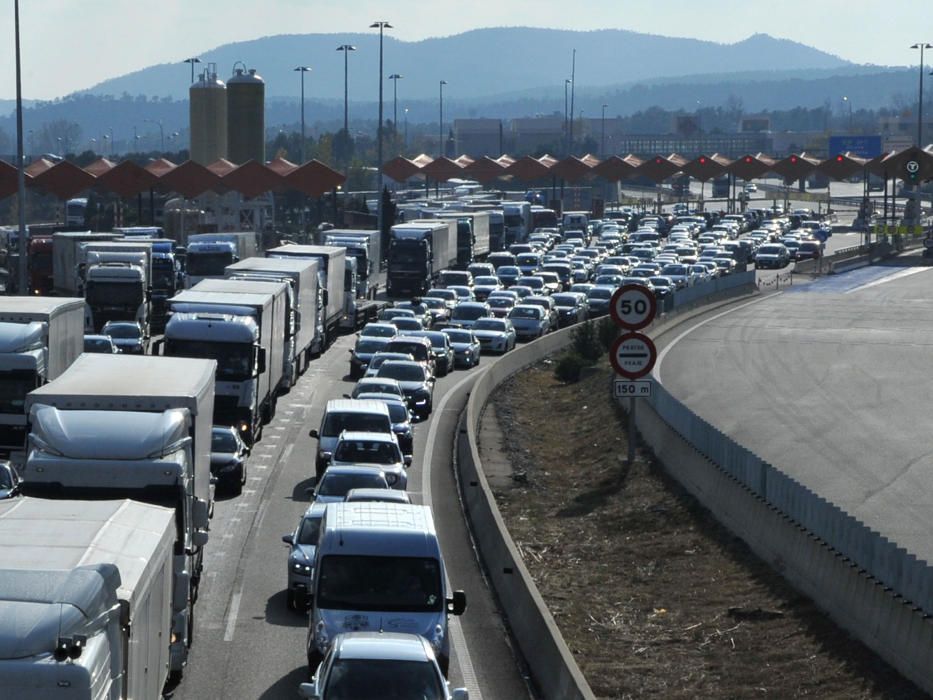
378, 566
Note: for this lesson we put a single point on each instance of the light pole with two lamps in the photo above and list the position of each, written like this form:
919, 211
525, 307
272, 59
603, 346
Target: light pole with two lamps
301, 146
381, 25
921, 45
161, 132
192, 61
602, 138
346, 48
395, 77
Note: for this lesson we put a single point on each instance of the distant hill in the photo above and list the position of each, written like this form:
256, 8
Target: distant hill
476, 63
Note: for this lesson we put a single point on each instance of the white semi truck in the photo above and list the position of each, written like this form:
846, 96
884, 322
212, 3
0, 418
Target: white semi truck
117, 281
208, 254
303, 314
67, 258
39, 339
138, 427
86, 591
244, 331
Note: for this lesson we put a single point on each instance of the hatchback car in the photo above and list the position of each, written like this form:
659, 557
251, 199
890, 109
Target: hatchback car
443, 353
394, 664
376, 385
228, 457
416, 383
128, 336
495, 334
465, 345
571, 308
530, 321
100, 343
372, 450
467, 313
336, 482
302, 546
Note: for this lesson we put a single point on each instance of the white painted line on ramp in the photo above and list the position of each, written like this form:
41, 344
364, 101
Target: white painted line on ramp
890, 278
231, 617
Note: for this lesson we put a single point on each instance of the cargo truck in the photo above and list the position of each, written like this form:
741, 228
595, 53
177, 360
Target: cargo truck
117, 278
472, 235
365, 247
303, 313
244, 333
92, 583
518, 223
331, 277
68, 257
167, 280
418, 251
497, 231
137, 427
39, 339
208, 254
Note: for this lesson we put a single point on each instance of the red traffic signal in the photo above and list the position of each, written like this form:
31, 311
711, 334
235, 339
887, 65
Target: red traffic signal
702, 160
748, 159
793, 160
840, 158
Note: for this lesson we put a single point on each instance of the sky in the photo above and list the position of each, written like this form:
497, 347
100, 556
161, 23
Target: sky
69, 45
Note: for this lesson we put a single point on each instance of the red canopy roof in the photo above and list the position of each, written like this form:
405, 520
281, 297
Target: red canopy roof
528, 168
484, 170
795, 166
400, 169
37, 166
189, 179
660, 167
705, 167
99, 167
574, 169
64, 180
280, 166
751, 166
252, 179
842, 165
127, 179
443, 169
9, 180
617, 168
314, 178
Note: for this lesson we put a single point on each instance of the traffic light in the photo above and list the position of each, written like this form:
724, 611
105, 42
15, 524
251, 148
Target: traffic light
840, 158
748, 159
702, 160
793, 160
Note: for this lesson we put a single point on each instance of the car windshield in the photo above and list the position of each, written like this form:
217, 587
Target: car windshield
442, 294
6, 478
468, 313
97, 345
377, 387
338, 484
500, 302
336, 423
308, 531
525, 312
386, 584
564, 300
460, 336
486, 280
364, 346
123, 330
223, 441
489, 324
398, 412
382, 679
599, 294
416, 350
402, 372
367, 452
378, 331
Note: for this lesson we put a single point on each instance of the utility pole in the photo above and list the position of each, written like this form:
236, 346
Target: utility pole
573, 78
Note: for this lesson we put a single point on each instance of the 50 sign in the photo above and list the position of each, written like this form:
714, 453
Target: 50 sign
633, 306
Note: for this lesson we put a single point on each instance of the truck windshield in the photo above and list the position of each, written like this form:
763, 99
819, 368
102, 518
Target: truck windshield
389, 584
407, 254
163, 275
208, 264
234, 360
514, 220
114, 294
13, 389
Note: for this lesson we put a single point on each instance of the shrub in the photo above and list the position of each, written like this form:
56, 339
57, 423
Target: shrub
569, 366
606, 332
585, 343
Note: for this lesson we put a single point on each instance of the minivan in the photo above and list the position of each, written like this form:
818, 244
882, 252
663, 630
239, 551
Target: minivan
378, 567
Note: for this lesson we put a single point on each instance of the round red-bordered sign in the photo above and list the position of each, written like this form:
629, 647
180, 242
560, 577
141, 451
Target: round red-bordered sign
633, 355
633, 306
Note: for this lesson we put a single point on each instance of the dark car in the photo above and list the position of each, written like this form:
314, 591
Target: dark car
415, 381
571, 308
362, 353
9, 480
228, 458
809, 250
100, 343
443, 352
128, 336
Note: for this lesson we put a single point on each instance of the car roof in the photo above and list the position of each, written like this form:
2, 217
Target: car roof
354, 470
389, 646
366, 435
355, 406
385, 495
315, 510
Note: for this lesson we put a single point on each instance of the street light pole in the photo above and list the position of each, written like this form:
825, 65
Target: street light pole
922, 45
573, 77
301, 149
192, 61
406, 129
346, 48
846, 99
440, 128
567, 82
20, 165
381, 25
602, 140
161, 132
395, 77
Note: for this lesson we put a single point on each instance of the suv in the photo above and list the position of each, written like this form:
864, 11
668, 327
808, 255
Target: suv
347, 414
418, 347
359, 449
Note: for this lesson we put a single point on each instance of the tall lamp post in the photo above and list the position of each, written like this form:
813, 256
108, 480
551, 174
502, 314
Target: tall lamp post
567, 82
381, 25
846, 99
440, 128
192, 61
346, 48
395, 77
602, 138
301, 149
20, 165
922, 45
161, 132
406, 129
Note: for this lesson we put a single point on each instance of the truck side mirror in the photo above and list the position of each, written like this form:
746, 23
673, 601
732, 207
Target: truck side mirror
457, 604
200, 538
260, 360
180, 594
200, 513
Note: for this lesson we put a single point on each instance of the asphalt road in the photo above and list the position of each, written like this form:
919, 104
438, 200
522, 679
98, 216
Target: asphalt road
247, 644
828, 382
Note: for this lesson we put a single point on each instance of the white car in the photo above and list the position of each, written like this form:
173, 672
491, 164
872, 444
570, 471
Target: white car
495, 334
379, 450
400, 665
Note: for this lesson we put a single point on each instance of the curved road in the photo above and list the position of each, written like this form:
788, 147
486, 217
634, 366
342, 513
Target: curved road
829, 382
247, 644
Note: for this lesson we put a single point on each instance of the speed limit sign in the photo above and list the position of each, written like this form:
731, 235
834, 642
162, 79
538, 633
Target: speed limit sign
633, 306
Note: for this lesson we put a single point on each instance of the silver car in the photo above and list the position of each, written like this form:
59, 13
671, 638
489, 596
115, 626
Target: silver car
302, 545
465, 345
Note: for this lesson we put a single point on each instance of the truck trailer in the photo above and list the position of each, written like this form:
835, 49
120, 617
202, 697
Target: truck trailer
304, 316
418, 251
331, 277
244, 333
472, 235
39, 339
117, 281
68, 255
138, 427
86, 590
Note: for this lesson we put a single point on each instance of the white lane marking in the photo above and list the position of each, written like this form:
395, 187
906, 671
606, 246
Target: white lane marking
889, 278
656, 372
458, 641
231, 617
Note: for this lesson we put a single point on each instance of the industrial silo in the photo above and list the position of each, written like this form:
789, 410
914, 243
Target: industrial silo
208, 110
246, 130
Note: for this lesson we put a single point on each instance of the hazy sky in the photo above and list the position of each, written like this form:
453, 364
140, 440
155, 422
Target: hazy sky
69, 45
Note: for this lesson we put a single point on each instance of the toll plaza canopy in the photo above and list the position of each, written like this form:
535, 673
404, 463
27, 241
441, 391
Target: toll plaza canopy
659, 168
65, 180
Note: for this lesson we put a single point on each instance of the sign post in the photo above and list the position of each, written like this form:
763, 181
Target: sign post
633, 354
